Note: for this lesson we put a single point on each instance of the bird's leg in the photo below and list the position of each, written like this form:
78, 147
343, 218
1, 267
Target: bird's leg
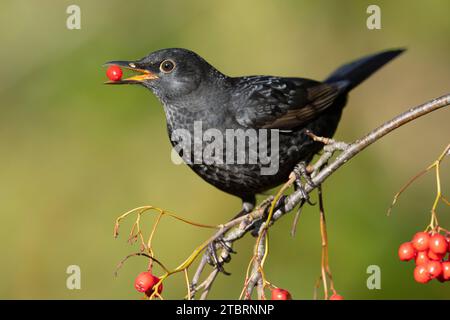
301, 170
309, 171
248, 203
305, 171
214, 260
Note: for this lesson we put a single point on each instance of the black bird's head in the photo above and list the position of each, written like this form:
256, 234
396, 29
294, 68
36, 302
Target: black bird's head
170, 73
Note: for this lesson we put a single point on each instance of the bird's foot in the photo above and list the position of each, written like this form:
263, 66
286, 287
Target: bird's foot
248, 204
304, 171
266, 204
215, 260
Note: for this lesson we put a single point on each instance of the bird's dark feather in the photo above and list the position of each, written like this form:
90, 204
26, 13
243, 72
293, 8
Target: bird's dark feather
281, 103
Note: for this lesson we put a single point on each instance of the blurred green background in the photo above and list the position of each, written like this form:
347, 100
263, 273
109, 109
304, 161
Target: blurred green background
75, 153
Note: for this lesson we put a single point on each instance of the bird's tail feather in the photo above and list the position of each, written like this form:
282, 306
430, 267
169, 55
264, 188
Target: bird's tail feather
357, 71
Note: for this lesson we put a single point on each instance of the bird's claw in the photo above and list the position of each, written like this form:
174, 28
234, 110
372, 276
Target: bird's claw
214, 260
301, 171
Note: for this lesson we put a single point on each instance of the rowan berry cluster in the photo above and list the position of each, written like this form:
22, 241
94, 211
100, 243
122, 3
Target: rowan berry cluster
429, 251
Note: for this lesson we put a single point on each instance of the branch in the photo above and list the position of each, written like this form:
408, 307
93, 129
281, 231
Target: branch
236, 229
360, 144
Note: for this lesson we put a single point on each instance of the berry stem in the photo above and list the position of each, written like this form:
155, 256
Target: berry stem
434, 223
325, 266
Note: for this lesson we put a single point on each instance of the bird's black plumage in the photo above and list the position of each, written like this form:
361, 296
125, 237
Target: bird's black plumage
191, 90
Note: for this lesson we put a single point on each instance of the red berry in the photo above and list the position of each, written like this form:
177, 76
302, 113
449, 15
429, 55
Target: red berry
143, 281
434, 256
422, 258
406, 251
280, 294
150, 291
438, 244
114, 73
421, 274
421, 241
446, 270
434, 269
336, 296
440, 278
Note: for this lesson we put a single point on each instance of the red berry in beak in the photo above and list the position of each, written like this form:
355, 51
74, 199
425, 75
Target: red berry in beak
114, 73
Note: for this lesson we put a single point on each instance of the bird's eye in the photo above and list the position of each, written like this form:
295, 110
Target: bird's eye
167, 66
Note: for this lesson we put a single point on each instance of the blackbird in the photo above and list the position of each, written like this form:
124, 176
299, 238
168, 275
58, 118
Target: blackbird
193, 91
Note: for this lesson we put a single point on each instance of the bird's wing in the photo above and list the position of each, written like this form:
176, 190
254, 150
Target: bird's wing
281, 103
